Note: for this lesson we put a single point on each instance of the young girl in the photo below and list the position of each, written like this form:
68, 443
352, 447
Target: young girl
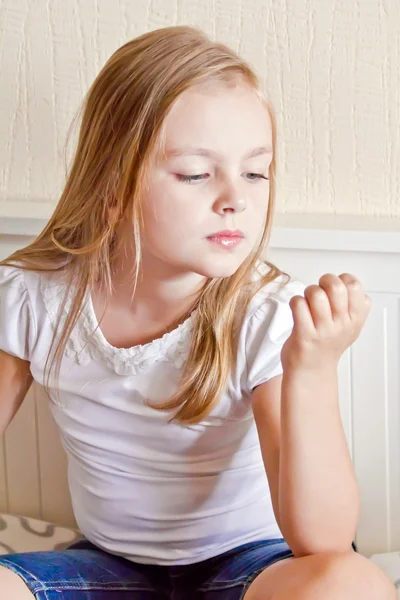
146, 310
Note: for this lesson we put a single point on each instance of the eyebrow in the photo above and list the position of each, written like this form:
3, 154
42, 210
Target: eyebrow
172, 152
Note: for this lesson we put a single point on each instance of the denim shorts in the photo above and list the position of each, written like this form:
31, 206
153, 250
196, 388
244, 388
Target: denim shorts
84, 572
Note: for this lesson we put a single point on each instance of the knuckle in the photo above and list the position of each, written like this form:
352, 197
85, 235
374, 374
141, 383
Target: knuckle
328, 279
332, 284
350, 280
314, 290
338, 286
296, 300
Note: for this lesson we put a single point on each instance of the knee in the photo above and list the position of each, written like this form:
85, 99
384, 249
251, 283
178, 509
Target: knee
323, 576
12, 586
352, 575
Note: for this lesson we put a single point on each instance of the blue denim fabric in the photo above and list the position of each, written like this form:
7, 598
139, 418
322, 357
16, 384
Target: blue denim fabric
84, 572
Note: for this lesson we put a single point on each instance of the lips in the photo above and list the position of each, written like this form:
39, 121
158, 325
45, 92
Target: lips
227, 233
226, 238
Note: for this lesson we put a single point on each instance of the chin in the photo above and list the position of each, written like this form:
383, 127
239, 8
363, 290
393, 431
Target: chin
217, 269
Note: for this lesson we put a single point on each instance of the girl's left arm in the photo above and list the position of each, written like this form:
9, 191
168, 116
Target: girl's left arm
313, 485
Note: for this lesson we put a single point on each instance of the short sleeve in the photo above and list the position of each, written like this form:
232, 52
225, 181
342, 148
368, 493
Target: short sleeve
268, 328
17, 326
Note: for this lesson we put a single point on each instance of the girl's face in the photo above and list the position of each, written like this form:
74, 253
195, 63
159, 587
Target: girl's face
211, 176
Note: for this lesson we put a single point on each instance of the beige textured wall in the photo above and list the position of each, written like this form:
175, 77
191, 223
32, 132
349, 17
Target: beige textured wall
330, 67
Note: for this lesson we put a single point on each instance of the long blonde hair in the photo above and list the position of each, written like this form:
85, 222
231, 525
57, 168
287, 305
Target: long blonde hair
123, 114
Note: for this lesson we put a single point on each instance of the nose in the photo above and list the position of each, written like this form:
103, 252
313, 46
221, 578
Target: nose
230, 199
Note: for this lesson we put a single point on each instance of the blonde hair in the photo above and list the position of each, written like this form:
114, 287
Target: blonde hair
123, 114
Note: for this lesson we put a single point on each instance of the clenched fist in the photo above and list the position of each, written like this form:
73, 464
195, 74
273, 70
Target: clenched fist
326, 322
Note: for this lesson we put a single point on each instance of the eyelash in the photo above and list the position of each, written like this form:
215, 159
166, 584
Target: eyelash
192, 178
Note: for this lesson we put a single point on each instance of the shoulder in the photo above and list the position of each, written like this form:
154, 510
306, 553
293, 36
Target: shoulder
272, 301
266, 325
18, 325
23, 310
13, 284
11, 276
16, 280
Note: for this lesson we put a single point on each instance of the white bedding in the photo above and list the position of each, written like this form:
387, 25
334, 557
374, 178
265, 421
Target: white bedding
22, 534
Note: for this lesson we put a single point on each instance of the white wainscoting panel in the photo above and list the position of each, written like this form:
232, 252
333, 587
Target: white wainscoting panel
33, 477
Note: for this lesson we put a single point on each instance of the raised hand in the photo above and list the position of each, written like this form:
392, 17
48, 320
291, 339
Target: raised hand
327, 321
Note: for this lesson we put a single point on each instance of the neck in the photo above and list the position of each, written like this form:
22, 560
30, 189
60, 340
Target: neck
161, 288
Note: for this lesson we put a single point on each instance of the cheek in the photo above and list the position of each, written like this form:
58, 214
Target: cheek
162, 217
174, 206
157, 208
170, 223
261, 206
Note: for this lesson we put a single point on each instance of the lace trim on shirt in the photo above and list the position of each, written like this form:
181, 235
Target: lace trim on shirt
87, 341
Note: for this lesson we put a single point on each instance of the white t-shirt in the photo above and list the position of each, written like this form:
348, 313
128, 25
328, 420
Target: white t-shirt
141, 487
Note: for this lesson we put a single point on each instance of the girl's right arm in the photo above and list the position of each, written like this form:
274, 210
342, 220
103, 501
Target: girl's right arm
15, 381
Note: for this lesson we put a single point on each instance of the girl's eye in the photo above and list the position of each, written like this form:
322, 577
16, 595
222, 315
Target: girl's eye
192, 178
203, 176
255, 176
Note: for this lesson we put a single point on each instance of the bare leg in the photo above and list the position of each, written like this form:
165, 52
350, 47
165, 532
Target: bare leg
325, 576
12, 586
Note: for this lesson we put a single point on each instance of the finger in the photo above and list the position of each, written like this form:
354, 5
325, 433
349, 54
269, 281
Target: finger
319, 305
358, 301
336, 292
303, 321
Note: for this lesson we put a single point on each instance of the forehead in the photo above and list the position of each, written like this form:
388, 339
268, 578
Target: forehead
227, 120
